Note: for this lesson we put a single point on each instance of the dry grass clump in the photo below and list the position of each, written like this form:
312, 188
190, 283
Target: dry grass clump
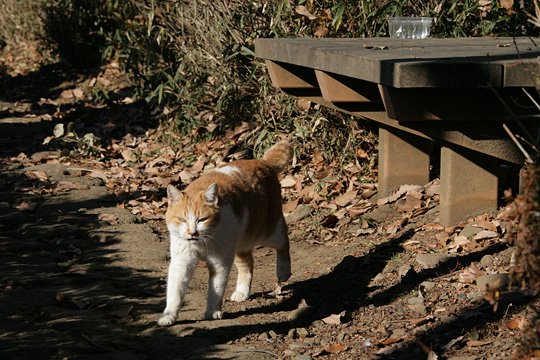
20, 22
20, 32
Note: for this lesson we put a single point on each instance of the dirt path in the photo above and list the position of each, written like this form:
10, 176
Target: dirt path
82, 277
74, 286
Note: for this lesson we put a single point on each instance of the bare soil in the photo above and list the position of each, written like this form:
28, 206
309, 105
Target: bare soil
82, 277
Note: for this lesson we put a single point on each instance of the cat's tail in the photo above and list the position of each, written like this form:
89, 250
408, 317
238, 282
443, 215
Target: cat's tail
279, 156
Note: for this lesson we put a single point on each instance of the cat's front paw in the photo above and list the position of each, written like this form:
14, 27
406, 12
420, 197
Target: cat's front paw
213, 315
166, 319
239, 296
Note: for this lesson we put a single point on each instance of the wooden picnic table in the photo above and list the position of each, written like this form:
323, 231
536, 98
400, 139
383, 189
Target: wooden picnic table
456, 95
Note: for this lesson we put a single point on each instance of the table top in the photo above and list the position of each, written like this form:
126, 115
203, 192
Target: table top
414, 63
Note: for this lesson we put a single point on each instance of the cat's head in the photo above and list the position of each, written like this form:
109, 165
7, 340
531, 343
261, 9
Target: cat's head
192, 216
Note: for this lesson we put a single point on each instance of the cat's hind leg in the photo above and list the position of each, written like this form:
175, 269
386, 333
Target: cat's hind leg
283, 261
280, 242
244, 265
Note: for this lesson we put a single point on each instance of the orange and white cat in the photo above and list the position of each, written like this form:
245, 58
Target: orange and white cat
221, 217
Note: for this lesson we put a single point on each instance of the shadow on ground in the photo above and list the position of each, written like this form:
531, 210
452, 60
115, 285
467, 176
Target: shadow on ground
65, 288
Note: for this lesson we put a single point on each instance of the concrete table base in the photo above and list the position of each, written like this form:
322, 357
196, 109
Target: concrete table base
468, 185
403, 159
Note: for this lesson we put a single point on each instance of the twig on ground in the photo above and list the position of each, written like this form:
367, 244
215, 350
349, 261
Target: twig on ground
258, 351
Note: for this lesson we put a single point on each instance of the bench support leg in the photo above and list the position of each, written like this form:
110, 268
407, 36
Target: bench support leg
468, 185
403, 159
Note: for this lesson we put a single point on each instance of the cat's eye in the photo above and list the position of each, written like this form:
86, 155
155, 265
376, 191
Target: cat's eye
182, 220
203, 219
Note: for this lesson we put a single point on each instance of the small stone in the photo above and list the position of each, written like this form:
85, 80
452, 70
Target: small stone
291, 334
399, 333
298, 345
415, 300
289, 353
492, 281
428, 285
45, 155
302, 313
340, 336
420, 329
264, 336
302, 332
419, 308
324, 342
429, 261
469, 231
302, 357
443, 296
487, 260
273, 334
317, 323
403, 270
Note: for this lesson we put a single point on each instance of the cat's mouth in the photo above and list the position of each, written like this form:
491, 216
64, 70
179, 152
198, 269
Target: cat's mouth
193, 238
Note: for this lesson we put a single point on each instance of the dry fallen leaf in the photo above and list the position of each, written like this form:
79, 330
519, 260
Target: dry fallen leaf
422, 321
290, 206
470, 274
303, 11
304, 104
100, 175
359, 209
58, 130
288, 182
64, 185
433, 226
476, 343
108, 218
345, 199
508, 5
335, 319
335, 348
517, 323
122, 312
26, 205
403, 189
128, 155
37, 175
485, 234
78, 93
391, 340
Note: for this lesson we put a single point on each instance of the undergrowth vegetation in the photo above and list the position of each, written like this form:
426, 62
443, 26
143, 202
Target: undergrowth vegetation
193, 61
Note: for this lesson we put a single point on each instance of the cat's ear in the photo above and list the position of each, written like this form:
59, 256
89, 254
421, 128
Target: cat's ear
211, 194
173, 194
